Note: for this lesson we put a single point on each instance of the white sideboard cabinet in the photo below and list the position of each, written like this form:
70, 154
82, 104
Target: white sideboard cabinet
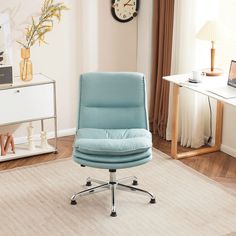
25, 102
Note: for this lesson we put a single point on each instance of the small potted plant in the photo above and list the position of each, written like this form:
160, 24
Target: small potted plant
36, 31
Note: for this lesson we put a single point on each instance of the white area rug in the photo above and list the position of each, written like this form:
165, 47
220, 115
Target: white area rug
36, 201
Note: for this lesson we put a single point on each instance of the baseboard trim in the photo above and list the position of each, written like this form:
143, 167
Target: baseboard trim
228, 150
60, 133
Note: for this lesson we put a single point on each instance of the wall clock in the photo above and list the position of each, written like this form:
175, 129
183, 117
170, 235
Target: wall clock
124, 10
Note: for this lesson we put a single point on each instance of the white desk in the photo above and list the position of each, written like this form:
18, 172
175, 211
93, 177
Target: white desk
208, 82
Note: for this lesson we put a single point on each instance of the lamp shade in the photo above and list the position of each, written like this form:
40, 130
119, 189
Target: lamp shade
212, 31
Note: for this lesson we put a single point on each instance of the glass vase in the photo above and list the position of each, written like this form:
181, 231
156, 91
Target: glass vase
26, 67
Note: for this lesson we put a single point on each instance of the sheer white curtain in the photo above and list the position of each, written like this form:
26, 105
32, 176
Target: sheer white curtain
191, 54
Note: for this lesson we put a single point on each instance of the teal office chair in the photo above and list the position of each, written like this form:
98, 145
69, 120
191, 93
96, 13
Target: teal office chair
112, 129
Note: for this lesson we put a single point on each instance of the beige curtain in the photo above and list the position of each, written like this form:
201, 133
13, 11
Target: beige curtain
163, 17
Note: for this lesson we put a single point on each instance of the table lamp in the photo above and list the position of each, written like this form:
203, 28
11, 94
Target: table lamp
212, 31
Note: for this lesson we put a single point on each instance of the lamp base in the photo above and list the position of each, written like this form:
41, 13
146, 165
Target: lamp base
215, 72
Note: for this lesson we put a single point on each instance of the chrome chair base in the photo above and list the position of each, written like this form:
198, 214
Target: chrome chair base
112, 185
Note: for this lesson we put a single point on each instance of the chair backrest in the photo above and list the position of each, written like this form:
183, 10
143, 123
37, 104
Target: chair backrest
112, 101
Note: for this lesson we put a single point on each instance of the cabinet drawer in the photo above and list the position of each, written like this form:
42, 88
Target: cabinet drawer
26, 103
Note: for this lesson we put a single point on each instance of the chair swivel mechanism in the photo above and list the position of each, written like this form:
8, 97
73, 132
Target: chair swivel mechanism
112, 130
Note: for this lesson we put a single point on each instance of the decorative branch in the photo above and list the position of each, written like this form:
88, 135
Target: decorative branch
37, 30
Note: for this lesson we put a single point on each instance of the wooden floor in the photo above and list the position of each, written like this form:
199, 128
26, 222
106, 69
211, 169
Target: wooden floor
218, 166
64, 151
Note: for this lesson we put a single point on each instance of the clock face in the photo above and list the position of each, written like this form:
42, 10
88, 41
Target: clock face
124, 10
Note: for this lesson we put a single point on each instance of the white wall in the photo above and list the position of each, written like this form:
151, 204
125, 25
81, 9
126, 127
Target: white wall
87, 39
59, 59
108, 45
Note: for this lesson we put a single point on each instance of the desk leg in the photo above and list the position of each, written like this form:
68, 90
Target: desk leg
55, 117
219, 122
175, 121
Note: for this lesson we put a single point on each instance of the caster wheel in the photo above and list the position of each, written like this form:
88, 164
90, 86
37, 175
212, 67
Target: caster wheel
89, 183
73, 202
135, 182
153, 200
113, 214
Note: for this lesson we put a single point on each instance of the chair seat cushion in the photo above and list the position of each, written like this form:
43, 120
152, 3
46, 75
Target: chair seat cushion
112, 142
112, 162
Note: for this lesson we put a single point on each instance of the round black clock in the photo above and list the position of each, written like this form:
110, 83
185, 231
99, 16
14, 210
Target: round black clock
124, 10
